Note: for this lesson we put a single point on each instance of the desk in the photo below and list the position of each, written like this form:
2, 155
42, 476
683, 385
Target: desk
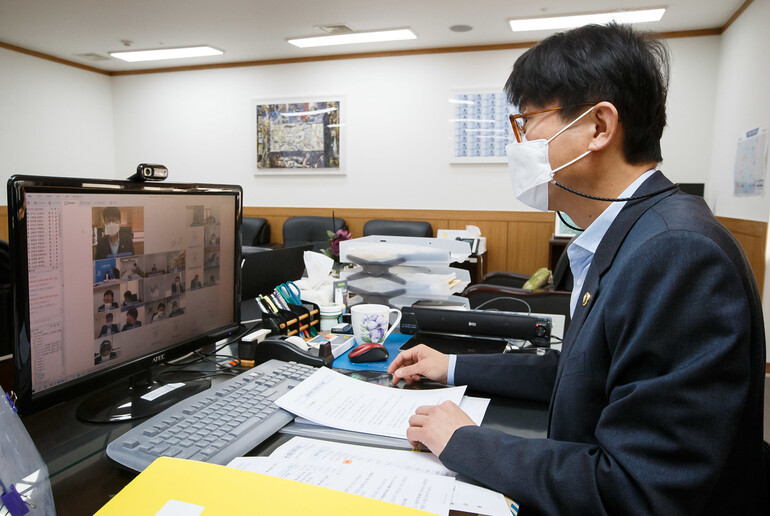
83, 479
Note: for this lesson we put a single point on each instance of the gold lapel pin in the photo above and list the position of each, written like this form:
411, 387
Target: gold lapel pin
586, 298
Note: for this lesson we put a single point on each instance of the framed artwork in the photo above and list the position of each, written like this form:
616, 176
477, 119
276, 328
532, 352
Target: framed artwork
299, 137
480, 128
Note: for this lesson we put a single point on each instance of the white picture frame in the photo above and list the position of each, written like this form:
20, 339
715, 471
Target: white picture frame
299, 136
479, 127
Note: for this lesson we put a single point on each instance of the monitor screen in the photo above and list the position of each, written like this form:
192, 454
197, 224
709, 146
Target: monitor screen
112, 276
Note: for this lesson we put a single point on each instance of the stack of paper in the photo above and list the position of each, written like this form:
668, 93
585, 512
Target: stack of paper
333, 399
411, 479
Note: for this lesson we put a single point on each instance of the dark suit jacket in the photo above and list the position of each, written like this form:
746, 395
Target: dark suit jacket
658, 398
111, 329
125, 247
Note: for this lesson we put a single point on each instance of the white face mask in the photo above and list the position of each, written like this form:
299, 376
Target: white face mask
530, 169
112, 228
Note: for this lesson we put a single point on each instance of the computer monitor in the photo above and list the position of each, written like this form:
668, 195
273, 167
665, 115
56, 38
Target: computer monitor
112, 277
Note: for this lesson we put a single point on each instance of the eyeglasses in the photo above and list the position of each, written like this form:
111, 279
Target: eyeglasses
519, 120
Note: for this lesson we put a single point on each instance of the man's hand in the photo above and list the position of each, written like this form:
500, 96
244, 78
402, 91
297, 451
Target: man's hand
419, 360
434, 425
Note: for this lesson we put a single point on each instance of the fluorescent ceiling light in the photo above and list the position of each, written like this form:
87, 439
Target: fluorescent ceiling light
578, 20
353, 37
134, 56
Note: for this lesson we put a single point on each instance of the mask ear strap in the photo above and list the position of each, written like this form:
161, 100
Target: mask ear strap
586, 153
570, 124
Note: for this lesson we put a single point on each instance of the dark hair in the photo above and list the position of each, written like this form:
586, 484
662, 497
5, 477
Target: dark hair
109, 316
161, 304
110, 292
111, 212
596, 63
127, 294
133, 313
105, 346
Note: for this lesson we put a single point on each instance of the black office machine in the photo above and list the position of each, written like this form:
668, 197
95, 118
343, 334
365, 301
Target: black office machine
475, 331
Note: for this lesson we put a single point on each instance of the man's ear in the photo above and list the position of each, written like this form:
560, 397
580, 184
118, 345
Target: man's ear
606, 126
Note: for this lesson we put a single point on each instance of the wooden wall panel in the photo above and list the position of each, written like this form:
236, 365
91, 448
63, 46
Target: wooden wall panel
516, 241
495, 225
752, 235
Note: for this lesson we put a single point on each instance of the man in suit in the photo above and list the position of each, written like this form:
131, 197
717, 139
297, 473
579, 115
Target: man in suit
108, 303
111, 245
108, 328
656, 400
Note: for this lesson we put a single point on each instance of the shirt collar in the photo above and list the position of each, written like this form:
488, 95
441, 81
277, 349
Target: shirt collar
589, 240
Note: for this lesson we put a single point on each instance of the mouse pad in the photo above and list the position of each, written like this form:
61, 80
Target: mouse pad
392, 343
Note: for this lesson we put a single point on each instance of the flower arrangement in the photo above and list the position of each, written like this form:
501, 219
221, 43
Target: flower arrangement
334, 243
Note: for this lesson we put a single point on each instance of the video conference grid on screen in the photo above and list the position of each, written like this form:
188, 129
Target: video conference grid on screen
113, 277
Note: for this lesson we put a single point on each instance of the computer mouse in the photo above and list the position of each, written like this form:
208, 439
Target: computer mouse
369, 352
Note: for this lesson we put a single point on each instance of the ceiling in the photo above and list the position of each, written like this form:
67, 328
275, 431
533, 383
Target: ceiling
251, 30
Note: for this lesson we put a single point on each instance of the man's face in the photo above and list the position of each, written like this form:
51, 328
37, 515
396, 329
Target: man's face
564, 148
107, 299
109, 319
130, 319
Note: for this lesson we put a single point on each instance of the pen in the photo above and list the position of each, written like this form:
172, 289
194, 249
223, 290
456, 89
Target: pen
261, 307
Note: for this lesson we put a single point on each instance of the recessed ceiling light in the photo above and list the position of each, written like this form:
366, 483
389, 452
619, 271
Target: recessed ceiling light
133, 56
461, 28
578, 20
353, 37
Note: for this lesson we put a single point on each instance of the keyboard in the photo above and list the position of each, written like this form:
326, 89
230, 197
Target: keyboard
217, 425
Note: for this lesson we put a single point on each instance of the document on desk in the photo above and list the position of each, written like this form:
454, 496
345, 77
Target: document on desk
476, 408
430, 493
365, 459
333, 399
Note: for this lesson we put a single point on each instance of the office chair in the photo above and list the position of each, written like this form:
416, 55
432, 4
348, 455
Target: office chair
562, 276
255, 232
310, 230
411, 228
486, 296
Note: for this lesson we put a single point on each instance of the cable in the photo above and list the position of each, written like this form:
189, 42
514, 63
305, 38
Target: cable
610, 199
574, 228
182, 375
230, 340
529, 308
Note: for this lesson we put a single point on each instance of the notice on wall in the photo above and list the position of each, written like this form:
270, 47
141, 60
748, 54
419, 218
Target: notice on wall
751, 162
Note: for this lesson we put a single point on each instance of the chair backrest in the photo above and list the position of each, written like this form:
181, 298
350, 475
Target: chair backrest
502, 298
310, 230
411, 228
562, 274
255, 231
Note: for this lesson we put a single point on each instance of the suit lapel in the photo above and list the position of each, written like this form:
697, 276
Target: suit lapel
602, 260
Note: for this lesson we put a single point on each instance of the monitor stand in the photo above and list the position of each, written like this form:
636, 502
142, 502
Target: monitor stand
137, 397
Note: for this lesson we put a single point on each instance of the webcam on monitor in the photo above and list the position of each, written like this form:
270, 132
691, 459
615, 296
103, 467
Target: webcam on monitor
149, 172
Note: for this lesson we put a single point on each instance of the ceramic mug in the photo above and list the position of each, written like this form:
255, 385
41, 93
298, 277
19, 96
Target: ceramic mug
370, 322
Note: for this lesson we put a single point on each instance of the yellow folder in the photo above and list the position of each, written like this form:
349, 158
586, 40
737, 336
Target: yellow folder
177, 486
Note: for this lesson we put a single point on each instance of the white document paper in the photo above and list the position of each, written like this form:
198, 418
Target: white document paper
476, 408
328, 452
465, 497
430, 493
333, 399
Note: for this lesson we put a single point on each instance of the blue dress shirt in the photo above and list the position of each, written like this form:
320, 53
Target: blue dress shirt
581, 251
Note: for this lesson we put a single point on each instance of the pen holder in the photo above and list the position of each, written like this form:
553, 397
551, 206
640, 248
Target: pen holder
308, 316
291, 320
274, 323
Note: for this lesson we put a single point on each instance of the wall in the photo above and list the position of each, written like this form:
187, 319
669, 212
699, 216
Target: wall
54, 119
742, 102
201, 125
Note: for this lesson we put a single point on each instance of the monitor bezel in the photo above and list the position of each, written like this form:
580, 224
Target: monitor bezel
18, 187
